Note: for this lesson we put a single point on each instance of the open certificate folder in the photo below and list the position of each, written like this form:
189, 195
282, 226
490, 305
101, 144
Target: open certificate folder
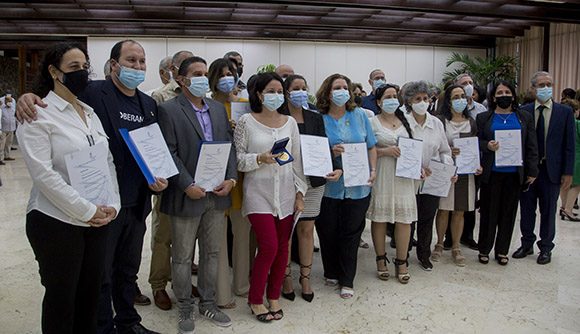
150, 151
212, 164
89, 174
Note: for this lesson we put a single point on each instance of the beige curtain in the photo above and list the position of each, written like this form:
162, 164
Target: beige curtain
528, 49
564, 61
531, 56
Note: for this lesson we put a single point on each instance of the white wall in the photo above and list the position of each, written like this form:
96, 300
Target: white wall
314, 60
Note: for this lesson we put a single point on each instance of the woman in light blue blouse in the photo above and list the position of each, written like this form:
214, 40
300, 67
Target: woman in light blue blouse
342, 213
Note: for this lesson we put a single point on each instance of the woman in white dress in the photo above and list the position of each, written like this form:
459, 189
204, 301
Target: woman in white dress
457, 124
392, 197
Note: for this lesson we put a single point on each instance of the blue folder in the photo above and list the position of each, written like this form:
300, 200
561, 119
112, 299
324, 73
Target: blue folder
137, 156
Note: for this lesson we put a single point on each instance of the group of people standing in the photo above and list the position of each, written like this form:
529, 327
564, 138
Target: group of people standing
89, 264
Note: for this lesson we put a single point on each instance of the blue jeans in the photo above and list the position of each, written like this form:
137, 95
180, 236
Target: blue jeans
208, 229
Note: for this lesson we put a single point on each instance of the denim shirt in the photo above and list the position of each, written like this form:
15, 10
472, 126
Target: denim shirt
353, 127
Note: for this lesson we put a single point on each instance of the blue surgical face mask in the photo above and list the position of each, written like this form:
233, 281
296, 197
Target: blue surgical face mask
299, 98
198, 86
378, 83
226, 84
340, 96
544, 94
468, 90
130, 77
459, 105
390, 105
273, 101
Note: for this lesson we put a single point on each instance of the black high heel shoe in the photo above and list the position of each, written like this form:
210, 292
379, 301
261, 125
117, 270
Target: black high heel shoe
306, 296
565, 216
288, 295
263, 317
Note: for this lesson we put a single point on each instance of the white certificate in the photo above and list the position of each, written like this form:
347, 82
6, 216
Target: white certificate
238, 109
439, 182
316, 158
467, 161
510, 148
355, 165
151, 145
410, 162
89, 174
212, 164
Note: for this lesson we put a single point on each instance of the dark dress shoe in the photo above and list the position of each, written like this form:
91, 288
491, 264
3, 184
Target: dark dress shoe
316, 249
9, 159
140, 329
162, 300
2, 163
522, 252
470, 243
142, 300
447, 244
393, 244
544, 258
194, 268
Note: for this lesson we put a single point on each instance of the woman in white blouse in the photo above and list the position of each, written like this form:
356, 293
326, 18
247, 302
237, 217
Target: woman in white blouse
67, 232
429, 129
273, 193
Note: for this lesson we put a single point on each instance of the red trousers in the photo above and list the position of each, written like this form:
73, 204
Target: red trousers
272, 235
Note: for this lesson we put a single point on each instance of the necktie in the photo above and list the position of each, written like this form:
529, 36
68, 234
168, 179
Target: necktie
540, 132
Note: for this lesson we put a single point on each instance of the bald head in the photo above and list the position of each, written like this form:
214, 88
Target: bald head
284, 71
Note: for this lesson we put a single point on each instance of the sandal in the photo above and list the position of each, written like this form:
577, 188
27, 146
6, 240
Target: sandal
277, 314
383, 274
483, 258
346, 293
403, 277
306, 296
228, 306
262, 317
363, 244
288, 275
437, 252
502, 260
330, 282
458, 258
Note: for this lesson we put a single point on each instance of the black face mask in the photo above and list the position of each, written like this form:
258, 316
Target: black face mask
504, 101
240, 71
358, 100
76, 81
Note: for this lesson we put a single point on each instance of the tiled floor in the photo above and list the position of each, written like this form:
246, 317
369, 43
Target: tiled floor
520, 298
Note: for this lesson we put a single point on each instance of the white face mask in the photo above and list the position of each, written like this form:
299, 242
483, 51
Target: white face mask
421, 107
468, 90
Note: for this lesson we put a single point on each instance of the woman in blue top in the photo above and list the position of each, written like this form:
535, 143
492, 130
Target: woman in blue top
342, 213
500, 186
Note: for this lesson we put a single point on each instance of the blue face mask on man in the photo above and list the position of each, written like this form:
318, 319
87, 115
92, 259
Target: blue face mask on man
198, 86
299, 98
544, 94
378, 83
130, 77
226, 84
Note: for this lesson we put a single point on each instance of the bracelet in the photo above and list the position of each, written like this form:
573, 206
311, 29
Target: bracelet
234, 181
373, 169
258, 160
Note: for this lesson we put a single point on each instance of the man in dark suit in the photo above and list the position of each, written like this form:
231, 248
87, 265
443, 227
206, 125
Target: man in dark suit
119, 104
186, 122
555, 132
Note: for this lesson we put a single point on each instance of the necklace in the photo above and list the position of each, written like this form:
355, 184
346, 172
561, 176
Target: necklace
504, 118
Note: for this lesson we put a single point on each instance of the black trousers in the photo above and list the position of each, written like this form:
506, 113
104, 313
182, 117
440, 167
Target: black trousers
71, 263
498, 208
427, 206
545, 193
123, 258
339, 227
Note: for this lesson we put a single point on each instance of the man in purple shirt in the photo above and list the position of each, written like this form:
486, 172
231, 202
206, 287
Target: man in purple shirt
186, 122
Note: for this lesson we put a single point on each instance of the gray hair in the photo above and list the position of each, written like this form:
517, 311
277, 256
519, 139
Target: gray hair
165, 63
539, 74
232, 54
107, 68
461, 76
180, 56
413, 88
